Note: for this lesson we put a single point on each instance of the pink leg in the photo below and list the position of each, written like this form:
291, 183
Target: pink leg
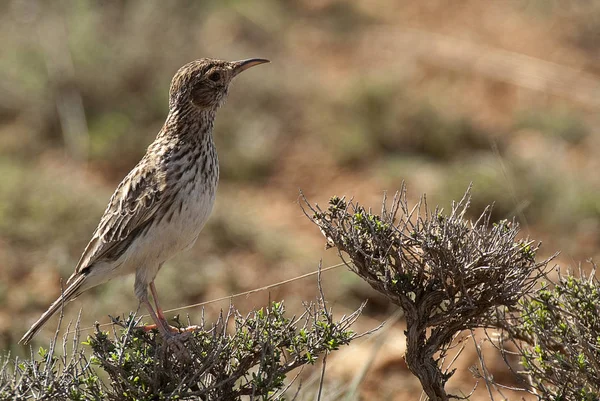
161, 315
159, 311
166, 331
160, 324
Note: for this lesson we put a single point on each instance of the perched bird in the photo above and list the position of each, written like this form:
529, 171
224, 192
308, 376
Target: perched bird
160, 207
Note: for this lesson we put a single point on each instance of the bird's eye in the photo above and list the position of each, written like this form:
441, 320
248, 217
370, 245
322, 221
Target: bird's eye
215, 77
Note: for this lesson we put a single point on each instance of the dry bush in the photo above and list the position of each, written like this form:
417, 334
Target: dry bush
252, 359
447, 274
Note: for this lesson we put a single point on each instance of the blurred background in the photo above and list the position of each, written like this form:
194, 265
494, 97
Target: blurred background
360, 95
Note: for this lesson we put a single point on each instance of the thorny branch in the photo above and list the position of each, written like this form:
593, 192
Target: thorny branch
448, 274
234, 357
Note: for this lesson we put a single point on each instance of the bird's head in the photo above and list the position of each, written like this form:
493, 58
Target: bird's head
204, 83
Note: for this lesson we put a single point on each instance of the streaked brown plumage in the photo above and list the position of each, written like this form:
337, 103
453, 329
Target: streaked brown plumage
161, 206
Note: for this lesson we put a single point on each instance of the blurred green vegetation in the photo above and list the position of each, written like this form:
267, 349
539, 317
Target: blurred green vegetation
348, 106
566, 125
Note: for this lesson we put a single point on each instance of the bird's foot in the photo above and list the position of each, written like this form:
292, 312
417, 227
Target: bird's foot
190, 329
172, 329
174, 337
150, 327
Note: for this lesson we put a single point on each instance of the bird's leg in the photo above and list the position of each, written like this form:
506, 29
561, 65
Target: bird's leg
160, 324
159, 318
173, 341
159, 311
162, 317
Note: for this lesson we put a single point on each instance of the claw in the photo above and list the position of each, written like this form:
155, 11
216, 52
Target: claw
172, 329
150, 327
189, 329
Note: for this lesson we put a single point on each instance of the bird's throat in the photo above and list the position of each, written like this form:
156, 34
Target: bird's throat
190, 121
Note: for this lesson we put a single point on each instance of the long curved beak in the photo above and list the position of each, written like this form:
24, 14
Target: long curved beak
243, 65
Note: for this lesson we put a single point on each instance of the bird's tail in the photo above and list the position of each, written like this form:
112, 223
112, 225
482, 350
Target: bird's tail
69, 294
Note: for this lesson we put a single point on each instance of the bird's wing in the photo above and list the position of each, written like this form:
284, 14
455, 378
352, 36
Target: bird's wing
131, 209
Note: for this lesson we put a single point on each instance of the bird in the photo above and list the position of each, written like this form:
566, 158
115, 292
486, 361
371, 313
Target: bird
160, 207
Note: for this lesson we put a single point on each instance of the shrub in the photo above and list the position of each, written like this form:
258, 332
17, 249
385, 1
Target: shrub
446, 273
252, 359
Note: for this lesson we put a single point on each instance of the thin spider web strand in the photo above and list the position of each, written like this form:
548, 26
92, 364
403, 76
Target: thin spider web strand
267, 287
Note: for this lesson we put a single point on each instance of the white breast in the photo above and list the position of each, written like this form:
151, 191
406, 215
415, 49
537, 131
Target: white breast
198, 200
166, 238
